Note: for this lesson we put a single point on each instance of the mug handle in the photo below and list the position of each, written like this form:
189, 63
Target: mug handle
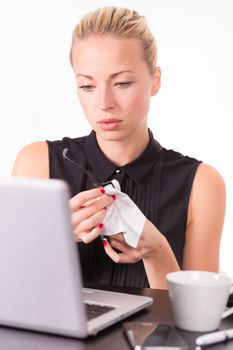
228, 311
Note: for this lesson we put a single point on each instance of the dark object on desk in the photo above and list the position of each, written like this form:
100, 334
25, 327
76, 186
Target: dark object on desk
152, 335
230, 301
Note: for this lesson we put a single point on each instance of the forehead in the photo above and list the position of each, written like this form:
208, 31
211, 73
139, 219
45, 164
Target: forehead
107, 53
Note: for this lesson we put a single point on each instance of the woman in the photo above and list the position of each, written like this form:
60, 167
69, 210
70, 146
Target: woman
113, 56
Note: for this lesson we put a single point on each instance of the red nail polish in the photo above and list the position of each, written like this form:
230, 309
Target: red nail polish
102, 190
113, 196
104, 241
101, 225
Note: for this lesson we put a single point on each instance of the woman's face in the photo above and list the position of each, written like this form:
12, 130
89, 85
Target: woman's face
114, 85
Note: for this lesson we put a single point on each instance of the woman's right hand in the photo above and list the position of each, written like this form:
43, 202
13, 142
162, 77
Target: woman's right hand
88, 209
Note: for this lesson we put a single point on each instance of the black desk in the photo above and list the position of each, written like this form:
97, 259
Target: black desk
111, 338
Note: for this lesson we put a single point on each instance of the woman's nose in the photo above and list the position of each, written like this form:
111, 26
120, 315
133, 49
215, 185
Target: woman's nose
106, 99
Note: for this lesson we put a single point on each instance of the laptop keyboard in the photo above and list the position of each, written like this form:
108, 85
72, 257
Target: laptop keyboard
93, 310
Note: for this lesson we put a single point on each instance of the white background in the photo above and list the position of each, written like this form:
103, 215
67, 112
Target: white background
192, 112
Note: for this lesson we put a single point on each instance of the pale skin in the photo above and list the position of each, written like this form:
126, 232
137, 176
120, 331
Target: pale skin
114, 82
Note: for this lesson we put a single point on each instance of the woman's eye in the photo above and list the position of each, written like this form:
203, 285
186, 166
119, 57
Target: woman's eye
123, 83
86, 87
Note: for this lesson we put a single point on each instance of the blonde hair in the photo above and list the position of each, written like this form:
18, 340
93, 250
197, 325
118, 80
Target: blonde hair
120, 23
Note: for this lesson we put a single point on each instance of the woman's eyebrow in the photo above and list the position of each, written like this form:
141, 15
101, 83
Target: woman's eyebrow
111, 76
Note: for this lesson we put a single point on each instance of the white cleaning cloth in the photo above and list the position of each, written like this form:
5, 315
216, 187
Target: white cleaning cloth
123, 216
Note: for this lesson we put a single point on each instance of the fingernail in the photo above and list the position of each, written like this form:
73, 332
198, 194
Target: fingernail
113, 196
102, 190
101, 225
104, 241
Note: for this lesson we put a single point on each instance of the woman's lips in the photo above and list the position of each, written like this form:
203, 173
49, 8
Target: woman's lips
109, 124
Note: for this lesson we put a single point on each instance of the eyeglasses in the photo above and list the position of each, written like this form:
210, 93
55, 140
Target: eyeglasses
89, 174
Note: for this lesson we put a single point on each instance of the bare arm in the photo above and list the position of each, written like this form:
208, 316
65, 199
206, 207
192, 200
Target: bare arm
205, 220
32, 161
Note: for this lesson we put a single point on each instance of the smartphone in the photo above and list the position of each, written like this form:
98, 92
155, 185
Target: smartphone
148, 334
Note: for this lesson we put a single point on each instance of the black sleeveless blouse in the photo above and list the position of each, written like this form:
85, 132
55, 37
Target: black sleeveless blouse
159, 181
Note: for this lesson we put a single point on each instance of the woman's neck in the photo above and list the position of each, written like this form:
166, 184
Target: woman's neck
121, 152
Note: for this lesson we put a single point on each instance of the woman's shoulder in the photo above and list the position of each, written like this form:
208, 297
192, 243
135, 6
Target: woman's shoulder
178, 167
32, 161
204, 178
171, 156
74, 145
68, 141
205, 175
209, 182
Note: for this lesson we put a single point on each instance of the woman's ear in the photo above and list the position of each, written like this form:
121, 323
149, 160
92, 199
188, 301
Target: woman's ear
156, 81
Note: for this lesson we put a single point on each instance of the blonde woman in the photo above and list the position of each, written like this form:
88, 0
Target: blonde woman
113, 56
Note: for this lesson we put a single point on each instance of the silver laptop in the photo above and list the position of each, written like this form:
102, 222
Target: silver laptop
40, 278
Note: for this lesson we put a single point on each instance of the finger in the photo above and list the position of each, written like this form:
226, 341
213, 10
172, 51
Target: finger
119, 258
81, 198
119, 237
118, 245
98, 198
93, 221
133, 254
86, 212
87, 237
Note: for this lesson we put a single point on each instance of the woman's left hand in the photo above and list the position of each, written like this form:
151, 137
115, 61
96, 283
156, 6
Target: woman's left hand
153, 248
120, 252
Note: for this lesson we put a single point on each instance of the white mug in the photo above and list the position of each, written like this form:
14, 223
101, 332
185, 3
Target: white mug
198, 299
